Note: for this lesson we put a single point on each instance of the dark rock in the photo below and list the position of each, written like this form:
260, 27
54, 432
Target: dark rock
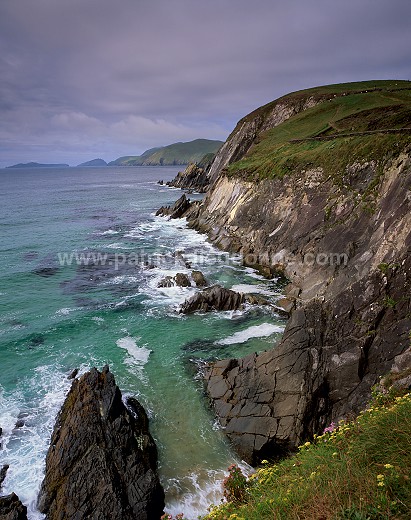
19, 423
214, 298
177, 210
1, 431
11, 508
3, 473
168, 281
288, 304
160, 182
254, 299
73, 374
198, 278
182, 280
102, 460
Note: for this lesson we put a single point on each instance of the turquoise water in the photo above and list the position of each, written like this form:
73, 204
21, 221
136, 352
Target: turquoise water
59, 311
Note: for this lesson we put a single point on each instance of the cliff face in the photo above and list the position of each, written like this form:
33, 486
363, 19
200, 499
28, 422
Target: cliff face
249, 128
102, 459
344, 243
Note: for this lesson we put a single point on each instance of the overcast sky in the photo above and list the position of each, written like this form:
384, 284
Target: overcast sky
81, 79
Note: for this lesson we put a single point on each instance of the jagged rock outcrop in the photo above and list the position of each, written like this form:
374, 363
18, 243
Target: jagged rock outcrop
102, 459
11, 508
195, 176
214, 298
177, 210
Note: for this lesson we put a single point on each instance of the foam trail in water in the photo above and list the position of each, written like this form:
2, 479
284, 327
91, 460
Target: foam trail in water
256, 331
138, 356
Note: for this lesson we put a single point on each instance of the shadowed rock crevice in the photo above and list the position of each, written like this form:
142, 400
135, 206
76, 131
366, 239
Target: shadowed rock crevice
102, 459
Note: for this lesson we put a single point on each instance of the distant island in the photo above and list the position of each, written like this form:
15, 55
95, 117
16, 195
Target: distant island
38, 165
94, 162
173, 154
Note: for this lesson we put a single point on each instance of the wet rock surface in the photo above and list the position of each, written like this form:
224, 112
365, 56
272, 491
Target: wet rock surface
11, 508
102, 459
215, 298
199, 278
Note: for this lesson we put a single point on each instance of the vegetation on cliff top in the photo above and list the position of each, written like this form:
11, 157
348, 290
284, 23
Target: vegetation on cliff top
357, 470
351, 122
177, 153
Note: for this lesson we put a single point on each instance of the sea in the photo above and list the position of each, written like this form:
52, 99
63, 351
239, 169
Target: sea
82, 255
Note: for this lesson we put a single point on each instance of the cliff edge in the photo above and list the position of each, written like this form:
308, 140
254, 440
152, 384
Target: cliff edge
318, 186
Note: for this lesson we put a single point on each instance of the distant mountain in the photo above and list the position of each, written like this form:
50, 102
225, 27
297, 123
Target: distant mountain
94, 162
38, 165
173, 154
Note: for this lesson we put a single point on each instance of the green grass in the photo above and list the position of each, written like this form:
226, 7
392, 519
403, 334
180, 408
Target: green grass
361, 471
345, 108
177, 153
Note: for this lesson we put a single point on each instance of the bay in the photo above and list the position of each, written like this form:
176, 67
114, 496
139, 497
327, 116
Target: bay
81, 257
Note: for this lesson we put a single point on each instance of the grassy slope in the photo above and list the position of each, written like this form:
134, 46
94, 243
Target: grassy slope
183, 153
345, 108
359, 471
177, 153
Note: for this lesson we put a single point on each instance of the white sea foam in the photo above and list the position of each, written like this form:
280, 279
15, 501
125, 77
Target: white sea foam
108, 232
65, 311
25, 448
98, 319
256, 331
137, 355
204, 487
250, 288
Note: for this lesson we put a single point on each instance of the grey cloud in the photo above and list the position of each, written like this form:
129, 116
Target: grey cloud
184, 68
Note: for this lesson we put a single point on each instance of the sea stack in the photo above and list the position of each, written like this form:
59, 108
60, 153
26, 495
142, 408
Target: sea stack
102, 459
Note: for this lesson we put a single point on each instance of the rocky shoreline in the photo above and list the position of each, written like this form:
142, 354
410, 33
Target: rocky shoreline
102, 460
345, 248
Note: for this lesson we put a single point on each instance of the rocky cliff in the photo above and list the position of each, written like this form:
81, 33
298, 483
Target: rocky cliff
195, 176
102, 459
336, 220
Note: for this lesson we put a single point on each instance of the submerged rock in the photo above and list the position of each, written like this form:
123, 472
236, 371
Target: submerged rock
11, 508
214, 298
102, 459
